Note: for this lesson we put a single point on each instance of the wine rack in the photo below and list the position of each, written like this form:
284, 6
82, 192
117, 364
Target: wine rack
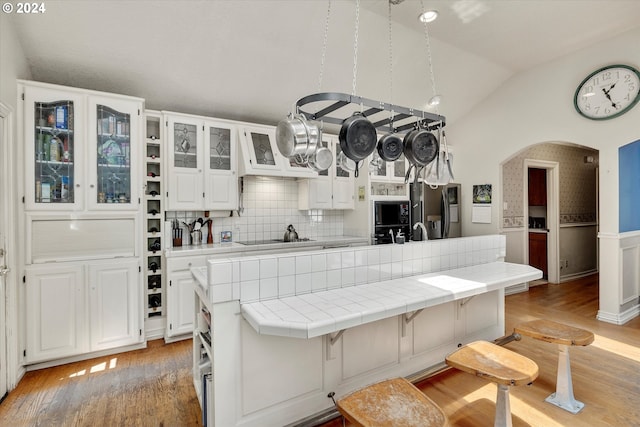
154, 224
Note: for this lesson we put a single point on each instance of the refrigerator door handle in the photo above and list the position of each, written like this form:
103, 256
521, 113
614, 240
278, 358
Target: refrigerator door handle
446, 217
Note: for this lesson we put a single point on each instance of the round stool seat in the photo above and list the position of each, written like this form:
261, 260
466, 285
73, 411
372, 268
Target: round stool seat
495, 363
554, 332
391, 403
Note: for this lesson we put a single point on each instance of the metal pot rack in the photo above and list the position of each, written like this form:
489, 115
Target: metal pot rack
335, 107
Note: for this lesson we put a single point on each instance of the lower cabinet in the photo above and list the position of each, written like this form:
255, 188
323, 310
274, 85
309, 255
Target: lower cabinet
180, 304
180, 297
538, 252
75, 308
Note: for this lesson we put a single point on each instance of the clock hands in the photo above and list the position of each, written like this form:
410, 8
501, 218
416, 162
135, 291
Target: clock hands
606, 93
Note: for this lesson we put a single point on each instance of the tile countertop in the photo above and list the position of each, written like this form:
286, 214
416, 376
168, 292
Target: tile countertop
233, 247
315, 314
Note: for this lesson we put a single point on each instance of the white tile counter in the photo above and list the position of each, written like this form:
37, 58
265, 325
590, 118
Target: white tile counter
315, 314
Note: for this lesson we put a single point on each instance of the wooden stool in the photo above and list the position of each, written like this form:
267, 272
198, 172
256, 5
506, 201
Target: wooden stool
564, 336
498, 364
393, 403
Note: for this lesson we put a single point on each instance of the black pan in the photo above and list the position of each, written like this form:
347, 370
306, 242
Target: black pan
390, 147
358, 138
420, 147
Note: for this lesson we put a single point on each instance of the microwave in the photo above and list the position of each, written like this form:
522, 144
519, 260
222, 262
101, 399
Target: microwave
391, 217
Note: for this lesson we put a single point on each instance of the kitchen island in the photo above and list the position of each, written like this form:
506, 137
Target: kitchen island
279, 332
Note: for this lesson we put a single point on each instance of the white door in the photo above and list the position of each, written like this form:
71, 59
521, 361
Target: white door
184, 149
180, 304
55, 312
221, 179
114, 304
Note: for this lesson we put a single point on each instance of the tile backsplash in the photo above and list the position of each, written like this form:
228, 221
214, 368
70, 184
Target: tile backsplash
268, 206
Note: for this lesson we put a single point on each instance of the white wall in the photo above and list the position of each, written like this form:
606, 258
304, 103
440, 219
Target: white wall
537, 106
13, 65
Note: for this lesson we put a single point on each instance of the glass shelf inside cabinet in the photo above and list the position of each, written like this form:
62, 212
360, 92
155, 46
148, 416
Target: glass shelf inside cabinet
220, 149
114, 155
54, 152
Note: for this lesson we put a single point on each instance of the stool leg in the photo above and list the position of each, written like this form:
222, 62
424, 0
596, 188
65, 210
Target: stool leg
503, 407
563, 397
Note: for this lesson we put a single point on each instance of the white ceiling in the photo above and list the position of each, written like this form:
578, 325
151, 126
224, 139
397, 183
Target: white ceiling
252, 59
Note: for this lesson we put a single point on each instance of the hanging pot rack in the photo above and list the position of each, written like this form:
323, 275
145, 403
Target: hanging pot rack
335, 107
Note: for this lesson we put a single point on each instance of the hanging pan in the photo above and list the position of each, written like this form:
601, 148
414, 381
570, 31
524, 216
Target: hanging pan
420, 148
390, 147
357, 138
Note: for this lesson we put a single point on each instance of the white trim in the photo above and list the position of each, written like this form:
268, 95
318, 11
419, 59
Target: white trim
553, 213
8, 196
619, 318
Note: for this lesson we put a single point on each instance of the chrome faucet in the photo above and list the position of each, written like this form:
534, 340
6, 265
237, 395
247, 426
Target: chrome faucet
393, 240
424, 230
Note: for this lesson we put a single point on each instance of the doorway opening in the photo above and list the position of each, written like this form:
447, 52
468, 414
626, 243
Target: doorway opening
568, 217
541, 206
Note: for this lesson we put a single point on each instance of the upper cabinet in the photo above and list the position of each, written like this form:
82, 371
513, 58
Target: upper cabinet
537, 187
381, 170
334, 188
202, 160
113, 179
82, 149
260, 155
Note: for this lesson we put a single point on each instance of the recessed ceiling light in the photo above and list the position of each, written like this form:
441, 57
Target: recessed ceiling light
428, 16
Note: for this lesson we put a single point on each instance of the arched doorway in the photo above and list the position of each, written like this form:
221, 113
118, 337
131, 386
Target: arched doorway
570, 217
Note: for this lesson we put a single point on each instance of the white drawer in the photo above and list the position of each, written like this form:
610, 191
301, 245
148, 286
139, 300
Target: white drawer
185, 263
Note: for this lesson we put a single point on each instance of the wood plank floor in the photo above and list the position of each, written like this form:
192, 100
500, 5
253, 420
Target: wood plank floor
153, 387
149, 387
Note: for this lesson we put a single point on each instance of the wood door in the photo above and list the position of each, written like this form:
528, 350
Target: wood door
538, 252
537, 187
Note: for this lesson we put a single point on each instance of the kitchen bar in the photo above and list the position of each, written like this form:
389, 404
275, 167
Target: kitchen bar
287, 329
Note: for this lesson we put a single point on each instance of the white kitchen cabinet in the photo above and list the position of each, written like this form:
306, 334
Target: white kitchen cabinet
74, 309
260, 155
179, 304
202, 160
334, 188
82, 149
382, 171
55, 312
115, 317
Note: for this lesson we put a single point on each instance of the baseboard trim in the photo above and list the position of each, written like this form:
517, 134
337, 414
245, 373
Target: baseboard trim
619, 318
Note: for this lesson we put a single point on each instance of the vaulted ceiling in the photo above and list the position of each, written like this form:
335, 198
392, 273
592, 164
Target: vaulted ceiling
252, 59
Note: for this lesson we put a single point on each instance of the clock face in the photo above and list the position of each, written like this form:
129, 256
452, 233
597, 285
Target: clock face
608, 92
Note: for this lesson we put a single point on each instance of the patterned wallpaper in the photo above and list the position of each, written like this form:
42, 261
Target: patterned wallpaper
577, 183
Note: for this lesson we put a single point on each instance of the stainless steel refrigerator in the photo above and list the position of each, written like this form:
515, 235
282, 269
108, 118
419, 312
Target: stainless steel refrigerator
438, 209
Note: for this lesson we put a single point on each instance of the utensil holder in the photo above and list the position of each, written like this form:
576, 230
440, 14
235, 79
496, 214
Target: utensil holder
177, 241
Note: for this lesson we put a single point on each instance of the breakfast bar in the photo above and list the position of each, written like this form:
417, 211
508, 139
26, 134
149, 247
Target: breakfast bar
276, 333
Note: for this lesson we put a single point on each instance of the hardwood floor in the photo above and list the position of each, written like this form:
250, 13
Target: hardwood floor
153, 387
150, 387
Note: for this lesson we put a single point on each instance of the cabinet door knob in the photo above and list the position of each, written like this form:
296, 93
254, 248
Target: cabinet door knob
77, 185
92, 186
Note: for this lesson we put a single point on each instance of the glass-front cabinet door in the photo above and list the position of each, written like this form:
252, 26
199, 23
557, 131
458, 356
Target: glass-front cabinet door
221, 180
185, 152
113, 153
53, 149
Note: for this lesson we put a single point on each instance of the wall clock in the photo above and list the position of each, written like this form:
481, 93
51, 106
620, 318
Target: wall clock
608, 92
